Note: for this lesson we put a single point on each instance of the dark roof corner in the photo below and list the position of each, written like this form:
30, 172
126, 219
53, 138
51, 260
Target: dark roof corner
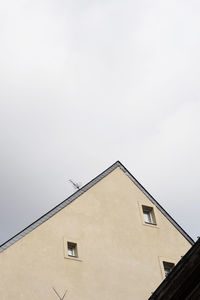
183, 282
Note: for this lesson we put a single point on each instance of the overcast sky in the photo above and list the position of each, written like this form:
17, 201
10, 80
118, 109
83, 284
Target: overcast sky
85, 83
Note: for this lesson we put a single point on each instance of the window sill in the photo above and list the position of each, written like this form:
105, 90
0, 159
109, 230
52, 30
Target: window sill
73, 258
152, 225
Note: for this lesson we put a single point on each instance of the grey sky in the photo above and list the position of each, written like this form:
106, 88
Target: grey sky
85, 83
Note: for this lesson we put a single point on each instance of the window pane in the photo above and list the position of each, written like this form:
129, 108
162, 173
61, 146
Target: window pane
146, 216
72, 249
167, 267
150, 217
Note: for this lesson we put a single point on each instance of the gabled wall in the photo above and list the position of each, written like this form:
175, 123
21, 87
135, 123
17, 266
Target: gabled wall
120, 257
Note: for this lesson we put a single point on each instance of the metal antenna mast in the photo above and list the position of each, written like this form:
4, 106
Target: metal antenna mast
75, 185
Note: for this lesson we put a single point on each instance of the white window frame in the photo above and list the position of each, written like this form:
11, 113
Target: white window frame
72, 250
148, 215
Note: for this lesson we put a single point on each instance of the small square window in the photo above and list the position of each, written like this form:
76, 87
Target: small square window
148, 214
167, 267
72, 249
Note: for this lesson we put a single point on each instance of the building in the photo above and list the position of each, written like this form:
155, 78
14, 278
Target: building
110, 240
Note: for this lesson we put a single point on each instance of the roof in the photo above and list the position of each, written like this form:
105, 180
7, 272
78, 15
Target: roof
82, 190
183, 282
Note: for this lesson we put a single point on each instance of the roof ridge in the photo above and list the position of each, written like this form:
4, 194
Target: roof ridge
82, 190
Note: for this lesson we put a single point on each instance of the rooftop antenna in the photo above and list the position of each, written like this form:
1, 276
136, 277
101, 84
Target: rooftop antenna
75, 184
61, 298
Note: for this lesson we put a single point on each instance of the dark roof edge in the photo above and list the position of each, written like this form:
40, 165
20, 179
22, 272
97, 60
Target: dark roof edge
82, 190
165, 213
57, 208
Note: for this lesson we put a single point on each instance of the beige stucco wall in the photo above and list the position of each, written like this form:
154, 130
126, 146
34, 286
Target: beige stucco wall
119, 256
